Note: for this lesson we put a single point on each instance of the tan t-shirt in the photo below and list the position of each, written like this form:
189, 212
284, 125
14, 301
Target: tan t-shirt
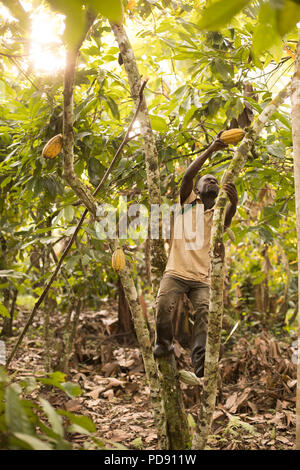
189, 254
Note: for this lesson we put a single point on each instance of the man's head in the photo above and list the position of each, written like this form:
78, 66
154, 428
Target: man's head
207, 186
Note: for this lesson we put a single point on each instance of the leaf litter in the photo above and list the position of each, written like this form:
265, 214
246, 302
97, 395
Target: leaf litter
255, 407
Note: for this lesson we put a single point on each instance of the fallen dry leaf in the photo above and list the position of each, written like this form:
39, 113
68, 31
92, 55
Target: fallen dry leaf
285, 440
109, 394
292, 383
73, 405
119, 435
96, 392
230, 402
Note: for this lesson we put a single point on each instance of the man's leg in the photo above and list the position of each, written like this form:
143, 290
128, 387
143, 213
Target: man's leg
199, 296
167, 299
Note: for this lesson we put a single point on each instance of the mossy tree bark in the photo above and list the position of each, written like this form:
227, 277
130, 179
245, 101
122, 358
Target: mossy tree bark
157, 250
295, 114
176, 420
285, 264
7, 321
143, 337
126, 276
78, 187
211, 370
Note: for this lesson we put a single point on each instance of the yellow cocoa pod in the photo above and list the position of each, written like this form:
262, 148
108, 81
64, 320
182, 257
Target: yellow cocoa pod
232, 136
53, 146
118, 260
188, 377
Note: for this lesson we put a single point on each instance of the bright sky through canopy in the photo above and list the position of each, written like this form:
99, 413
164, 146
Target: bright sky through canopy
46, 52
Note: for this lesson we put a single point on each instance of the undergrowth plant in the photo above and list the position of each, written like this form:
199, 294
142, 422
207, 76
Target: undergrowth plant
34, 424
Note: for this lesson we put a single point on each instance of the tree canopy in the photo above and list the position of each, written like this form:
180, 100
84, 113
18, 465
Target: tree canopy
209, 66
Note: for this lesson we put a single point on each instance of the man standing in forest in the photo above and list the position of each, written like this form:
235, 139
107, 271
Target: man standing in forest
187, 270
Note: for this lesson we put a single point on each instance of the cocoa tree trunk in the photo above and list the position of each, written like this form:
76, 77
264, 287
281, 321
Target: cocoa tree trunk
175, 417
7, 321
125, 323
217, 257
143, 337
69, 174
158, 255
176, 420
70, 335
295, 114
285, 302
126, 275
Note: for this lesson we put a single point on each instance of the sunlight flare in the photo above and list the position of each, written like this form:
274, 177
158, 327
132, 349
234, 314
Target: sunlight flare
46, 52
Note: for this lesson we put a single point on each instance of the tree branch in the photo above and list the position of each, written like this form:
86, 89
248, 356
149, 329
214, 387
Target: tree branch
217, 257
76, 184
172, 428
295, 114
72, 239
158, 255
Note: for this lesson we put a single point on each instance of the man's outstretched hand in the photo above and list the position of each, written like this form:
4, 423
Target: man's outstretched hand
219, 143
231, 192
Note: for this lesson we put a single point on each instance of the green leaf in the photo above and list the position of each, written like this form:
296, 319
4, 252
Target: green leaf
191, 421
189, 115
34, 442
6, 181
137, 443
282, 119
287, 17
75, 19
29, 384
17, 10
96, 170
57, 218
74, 428
11, 273
54, 419
258, 279
55, 379
42, 230
51, 186
220, 12
72, 390
112, 10
158, 123
62, 444
15, 416
85, 260
81, 135
83, 421
265, 36
3, 311
277, 149
69, 213
113, 107
223, 69
3, 377
70, 231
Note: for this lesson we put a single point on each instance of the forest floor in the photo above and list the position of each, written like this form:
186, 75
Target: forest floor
255, 405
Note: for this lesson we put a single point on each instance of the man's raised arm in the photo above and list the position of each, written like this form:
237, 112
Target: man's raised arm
192, 171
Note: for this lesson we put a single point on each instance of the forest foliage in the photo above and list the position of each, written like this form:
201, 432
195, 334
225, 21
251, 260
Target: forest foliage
198, 62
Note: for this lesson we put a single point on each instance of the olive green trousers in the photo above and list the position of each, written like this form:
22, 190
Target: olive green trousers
171, 289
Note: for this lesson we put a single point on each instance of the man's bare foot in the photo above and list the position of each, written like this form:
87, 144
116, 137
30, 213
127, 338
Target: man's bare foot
163, 349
